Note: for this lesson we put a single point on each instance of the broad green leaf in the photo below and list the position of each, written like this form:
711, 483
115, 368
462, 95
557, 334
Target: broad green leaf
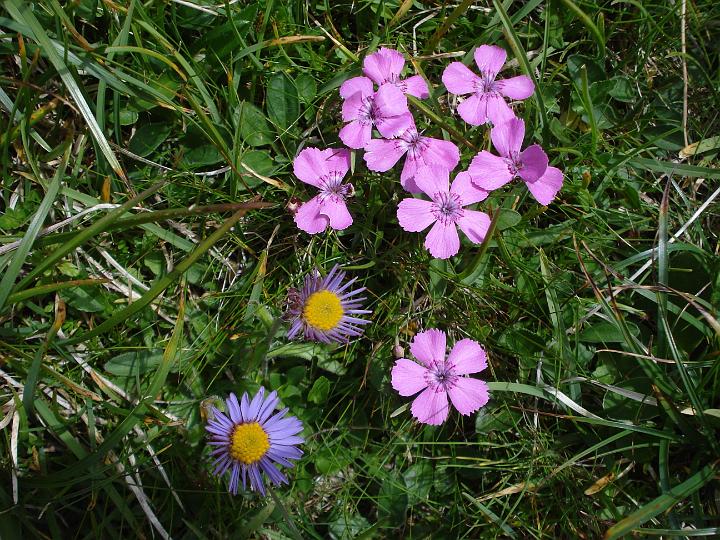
148, 137
282, 101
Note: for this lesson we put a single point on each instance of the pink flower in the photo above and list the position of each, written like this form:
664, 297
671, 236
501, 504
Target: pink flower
486, 102
439, 377
364, 108
445, 211
325, 170
491, 172
385, 66
382, 154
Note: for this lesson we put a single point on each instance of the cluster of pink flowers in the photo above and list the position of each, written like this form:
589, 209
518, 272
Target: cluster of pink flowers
379, 122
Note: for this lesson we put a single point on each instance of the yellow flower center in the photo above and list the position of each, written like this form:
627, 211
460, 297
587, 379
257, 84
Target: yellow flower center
323, 310
248, 443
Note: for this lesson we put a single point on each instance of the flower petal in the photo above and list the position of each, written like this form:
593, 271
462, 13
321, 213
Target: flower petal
469, 193
432, 179
468, 395
498, 111
429, 346
507, 137
407, 176
337, 160
392, 126
459, 79
309, 219
336, 211
355, 134
489, 171
352, 105
443, 241
467, 356
310, 165
490, 59
546, 187
474, 110
390, 101
415, 215
440, 152
383, 65
431, 407
415, 86
520, 87
474, 224
408, 377
361, 85
381, 154
534, 163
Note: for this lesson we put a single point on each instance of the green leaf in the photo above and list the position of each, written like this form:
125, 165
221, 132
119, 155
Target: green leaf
83, 300
320, 390
508, 218
254, 127
606, 332
148, 137
131, 364
282, 101
418, 481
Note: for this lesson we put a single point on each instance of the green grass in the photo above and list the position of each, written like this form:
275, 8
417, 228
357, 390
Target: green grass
146, 126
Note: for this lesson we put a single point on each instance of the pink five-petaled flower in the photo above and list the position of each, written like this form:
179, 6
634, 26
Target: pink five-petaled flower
364, 108
325, 170
385, 66
439, 377
382, 154
486, 102
445, 210
491, 172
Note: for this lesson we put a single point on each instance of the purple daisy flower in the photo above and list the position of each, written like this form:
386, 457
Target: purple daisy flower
325, 310
248, 440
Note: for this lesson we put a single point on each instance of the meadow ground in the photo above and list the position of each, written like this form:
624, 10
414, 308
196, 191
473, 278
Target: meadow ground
148, 246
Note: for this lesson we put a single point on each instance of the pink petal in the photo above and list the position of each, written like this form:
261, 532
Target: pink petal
407, 176
390, 101
392, 126
534, 163
546, 187
474, 110
383, 65
507, 137
474, 224
408, 377
432, 179
443, 241
308, 217
490, 59
415, 215
337, 160
336, 211
520, 87
381, 154
458, 79
356, 135
468, 395
497, 110
310, 165
469, 193
361, 85
429, 346
431, 407
352, 105
440, 152
489, 171
467, 356
416, 86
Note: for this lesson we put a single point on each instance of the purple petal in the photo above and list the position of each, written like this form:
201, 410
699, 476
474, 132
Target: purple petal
440, 152
534, 163
546, 187
468, 395
408, 377
468, 192
416, 86
383, 65
415, 215
352, 106
443, 241
459, 79
390, 101
309, 219
488, 171
432, 179
255, 405
234, 409
520, 87
474, 224
407, 176
498, 111
381, 155
429, 346
467, 356
474, 110
490, 59
392, 126
507, 137
356, 134
336, 211
431, 407
310, 165
361, 85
